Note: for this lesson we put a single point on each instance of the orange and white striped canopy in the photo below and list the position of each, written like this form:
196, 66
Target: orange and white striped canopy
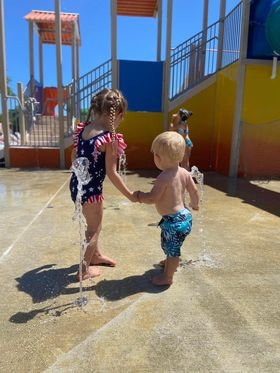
45, 22
139, 8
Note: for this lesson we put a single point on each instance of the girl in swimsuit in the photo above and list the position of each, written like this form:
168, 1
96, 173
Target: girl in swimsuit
97, 140
179, 124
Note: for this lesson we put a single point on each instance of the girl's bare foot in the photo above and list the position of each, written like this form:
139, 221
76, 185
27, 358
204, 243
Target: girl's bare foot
102, 260
90, 273
161, 280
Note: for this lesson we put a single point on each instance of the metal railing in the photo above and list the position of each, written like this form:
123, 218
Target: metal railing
82, 90
198, 57
29, 128
231, 37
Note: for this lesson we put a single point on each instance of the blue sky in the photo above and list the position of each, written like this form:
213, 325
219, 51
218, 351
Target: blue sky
136, 35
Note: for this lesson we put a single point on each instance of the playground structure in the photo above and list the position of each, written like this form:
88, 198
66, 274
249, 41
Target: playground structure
234, 133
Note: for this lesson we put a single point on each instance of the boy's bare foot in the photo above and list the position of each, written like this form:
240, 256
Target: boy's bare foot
103, 261
161, 280
90, 273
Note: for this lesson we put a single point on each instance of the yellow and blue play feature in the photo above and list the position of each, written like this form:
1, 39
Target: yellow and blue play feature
214, 105
141, 82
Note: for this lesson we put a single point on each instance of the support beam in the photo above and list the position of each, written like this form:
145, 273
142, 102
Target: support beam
21, 118
31, 60
41, 68
114, 43
221, 33
159, 30
74, 75
204, 35
237, 123
59, 82
77, 50
3, 87
166, 86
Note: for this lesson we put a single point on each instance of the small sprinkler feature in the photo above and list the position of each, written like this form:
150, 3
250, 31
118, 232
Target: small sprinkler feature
80, 168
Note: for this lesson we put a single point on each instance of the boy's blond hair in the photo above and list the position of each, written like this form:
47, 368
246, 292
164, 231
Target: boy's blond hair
171, 145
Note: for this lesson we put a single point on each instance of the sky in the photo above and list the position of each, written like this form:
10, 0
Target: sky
136, 38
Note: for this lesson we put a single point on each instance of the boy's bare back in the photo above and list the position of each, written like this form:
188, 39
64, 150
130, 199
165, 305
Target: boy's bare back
169, 188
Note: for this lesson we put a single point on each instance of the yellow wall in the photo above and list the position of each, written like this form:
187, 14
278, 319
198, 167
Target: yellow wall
139, 129
260, 146
201, 126
211, 124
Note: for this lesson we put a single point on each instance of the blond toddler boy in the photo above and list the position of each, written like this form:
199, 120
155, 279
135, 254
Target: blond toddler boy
167, 194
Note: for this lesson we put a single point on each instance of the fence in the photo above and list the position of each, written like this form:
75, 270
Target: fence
81, 91
198, 57
30, 128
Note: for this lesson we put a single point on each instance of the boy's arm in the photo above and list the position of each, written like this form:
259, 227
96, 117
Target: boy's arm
153, 196
111, 171
193, 192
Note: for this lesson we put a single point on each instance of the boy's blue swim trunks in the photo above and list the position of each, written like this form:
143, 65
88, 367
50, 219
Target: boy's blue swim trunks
174, 230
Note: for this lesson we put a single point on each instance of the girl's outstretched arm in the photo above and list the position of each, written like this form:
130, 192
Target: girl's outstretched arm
73, 154
111, 171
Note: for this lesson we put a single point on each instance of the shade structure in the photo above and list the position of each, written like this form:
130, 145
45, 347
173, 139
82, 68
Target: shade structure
45, 23
137, 8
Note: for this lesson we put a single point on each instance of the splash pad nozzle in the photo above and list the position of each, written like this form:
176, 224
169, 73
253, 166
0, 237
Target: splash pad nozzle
80, 168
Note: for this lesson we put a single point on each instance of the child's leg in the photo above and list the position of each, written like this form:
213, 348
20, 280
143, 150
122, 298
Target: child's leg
166, 278
93, 213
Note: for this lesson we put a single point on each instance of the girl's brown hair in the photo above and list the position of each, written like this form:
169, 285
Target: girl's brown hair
110, 102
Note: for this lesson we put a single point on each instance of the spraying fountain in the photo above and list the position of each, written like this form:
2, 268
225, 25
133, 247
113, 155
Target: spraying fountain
80, 168
199, 177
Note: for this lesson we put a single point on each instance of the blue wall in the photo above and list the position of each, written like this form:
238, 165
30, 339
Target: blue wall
141, 84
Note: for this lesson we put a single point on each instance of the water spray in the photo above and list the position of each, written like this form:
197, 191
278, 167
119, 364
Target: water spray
80, 168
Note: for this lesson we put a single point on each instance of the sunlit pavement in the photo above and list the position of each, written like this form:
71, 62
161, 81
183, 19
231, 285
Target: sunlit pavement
220, 315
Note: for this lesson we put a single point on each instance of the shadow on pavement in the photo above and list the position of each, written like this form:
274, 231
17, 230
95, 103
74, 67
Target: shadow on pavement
46, 282
119, 289
253, 194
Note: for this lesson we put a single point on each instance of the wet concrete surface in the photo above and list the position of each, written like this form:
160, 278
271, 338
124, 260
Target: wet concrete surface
222, 313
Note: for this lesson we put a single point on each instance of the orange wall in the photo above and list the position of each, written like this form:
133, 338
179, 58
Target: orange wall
34, 157
260, 145
139, 130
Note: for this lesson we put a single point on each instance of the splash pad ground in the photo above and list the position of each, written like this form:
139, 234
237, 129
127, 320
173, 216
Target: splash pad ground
220, 315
